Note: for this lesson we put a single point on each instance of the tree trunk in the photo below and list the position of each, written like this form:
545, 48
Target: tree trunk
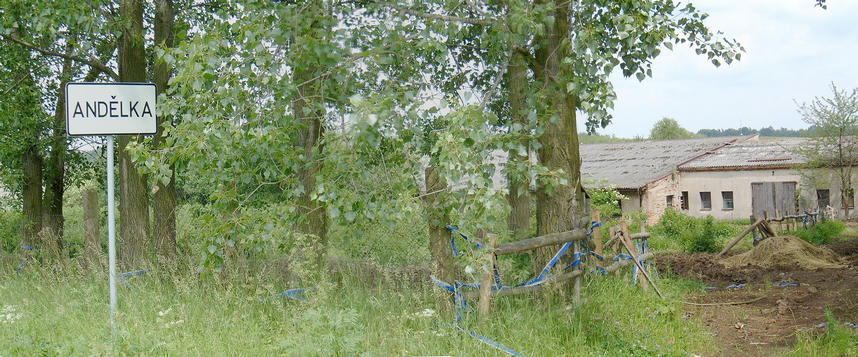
519, 194
164, 237
309, 110
55, 170
32, 195
439, 237
557, 209
133, 193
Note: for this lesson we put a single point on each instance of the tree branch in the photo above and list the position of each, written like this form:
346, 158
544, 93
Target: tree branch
90, 62
449, 18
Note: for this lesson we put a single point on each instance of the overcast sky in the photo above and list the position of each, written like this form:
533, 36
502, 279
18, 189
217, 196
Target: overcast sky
793, 51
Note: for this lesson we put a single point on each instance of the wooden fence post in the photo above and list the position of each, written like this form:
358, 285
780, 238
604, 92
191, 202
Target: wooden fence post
486, 281
627, 238
91, 231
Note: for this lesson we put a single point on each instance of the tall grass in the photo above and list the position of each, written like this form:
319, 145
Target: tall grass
186, 314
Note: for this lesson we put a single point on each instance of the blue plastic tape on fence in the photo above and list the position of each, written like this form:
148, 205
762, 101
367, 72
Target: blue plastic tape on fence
133, 273
548, 267
623, 256
575, 263
736, 286
489, 341
442, 284
601, 258
21, 266
295, 294
596, 224
453, 240
785, 284
498, 284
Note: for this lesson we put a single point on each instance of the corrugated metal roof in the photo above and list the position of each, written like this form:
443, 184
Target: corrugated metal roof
632, 165
749, 155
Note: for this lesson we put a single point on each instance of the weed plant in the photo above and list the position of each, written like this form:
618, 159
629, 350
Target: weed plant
823, 232
836, 340
679, 231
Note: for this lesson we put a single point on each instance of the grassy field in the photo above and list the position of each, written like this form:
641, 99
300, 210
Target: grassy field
183, 314
58, 312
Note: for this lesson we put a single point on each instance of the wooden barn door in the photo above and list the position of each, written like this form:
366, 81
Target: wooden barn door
768, 196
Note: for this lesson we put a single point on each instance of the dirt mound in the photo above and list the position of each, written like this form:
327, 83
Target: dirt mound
785, 251
701, 266
848, 249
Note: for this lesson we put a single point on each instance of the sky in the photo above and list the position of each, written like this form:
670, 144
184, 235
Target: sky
793, 52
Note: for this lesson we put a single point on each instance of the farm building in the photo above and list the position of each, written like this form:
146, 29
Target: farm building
727, 178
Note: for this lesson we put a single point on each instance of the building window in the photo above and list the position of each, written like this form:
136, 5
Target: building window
850, 198
669, 200
684, 203
727, 196
822, 198
705, 201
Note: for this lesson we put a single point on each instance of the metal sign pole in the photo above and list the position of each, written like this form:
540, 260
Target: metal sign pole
111, 109
111, 232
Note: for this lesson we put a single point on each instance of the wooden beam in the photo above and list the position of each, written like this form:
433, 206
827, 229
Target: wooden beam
740, 236
542, 241
638, 264
528, 289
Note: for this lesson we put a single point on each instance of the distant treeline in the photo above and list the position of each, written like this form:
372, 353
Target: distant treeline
768, 131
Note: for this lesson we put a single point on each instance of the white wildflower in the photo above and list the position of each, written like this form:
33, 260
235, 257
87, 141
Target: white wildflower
173, 323
469, 270
425, 313
165, 312
8, 314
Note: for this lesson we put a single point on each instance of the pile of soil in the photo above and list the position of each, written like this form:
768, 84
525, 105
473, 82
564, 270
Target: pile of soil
702, 266
786, 251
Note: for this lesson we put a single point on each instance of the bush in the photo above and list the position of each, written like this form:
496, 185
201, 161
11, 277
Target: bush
10, 230
822, 232
607, 201
693, 234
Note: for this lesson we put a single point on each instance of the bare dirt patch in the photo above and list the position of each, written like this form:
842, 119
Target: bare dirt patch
784, 297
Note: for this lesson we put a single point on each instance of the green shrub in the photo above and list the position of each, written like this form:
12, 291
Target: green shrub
822, 232
707, 240
692, 234
10, 230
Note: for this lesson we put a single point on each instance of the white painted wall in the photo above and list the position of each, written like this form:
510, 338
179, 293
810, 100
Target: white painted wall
739, 182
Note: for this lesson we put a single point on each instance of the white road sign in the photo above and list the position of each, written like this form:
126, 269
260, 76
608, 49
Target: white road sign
110, 108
